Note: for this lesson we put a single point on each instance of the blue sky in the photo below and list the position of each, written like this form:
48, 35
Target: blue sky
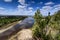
28, 7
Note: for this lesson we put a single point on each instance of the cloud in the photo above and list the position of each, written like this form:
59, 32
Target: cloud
8, 0
58, 5
22, 2
1, 8
45, 9
23, 10
55, 8
49, 3
52, 9
21, 7
30, 8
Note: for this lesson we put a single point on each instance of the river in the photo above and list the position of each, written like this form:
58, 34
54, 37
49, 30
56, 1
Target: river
26, 23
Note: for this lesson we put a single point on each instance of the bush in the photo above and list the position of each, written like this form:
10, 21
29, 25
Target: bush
47, 27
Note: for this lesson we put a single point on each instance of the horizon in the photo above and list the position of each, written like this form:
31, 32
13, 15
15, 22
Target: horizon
28, 7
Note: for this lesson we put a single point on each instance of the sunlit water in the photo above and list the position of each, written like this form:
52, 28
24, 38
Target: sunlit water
26, 23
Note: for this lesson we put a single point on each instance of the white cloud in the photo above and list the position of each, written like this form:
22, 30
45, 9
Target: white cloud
47, 7
49, 3
30, 8
23, 10
1, 8
52, 9
20, 6
8, 0
22, 2
3, 11
55, 8
58, 5
45, 10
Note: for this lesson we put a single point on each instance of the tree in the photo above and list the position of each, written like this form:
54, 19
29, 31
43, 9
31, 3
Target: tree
38, 17
48, 18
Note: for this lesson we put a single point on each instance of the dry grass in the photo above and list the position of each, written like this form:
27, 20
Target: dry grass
25, 34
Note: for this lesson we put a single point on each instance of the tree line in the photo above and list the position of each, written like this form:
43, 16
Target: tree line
4, 20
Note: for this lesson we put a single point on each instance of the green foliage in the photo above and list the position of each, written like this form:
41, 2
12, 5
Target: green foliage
58, 36
56, 16
40, 22
9, 19
38, 17
50, 24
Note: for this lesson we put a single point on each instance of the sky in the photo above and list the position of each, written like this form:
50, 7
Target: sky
28, 7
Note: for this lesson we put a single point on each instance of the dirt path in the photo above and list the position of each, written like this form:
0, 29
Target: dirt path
25, 34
